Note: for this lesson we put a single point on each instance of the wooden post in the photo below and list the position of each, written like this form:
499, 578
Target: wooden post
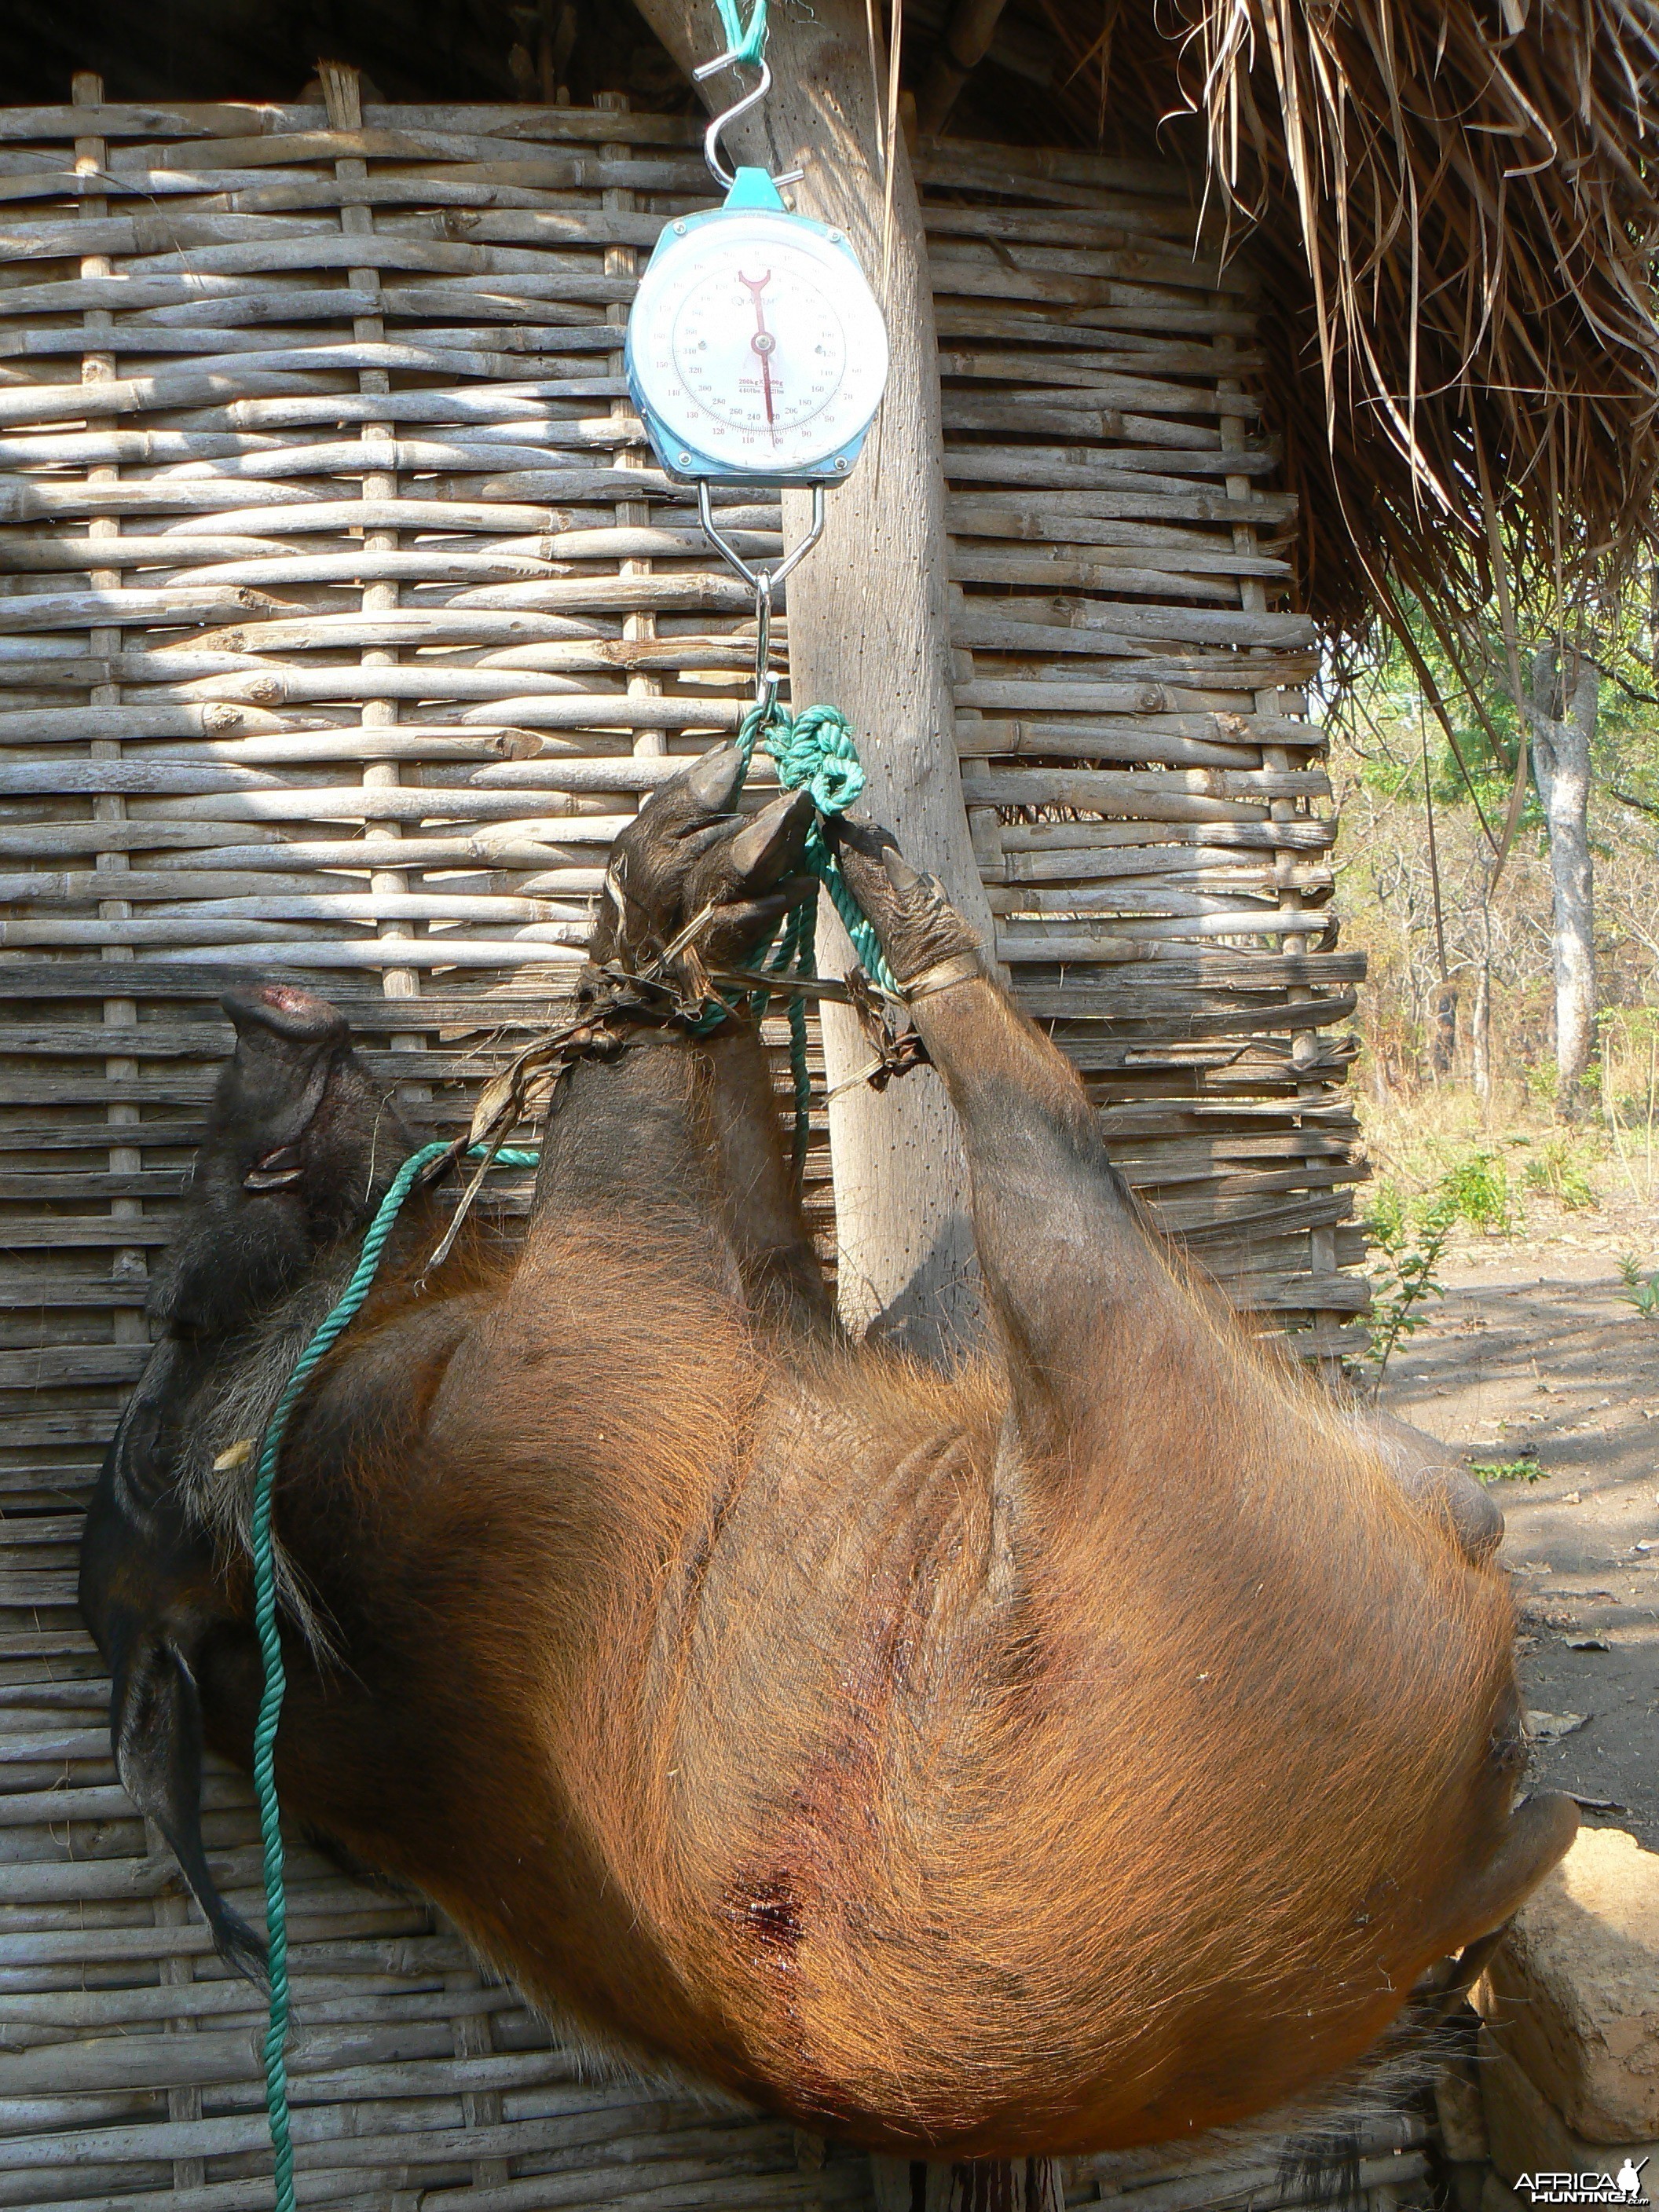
869, 632
980, 2185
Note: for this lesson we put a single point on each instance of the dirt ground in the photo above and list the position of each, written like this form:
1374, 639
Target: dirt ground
1532, 1353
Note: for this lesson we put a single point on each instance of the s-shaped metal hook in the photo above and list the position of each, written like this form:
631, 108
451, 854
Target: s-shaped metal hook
711, 137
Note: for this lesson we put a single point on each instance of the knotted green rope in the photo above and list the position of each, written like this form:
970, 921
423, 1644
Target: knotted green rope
270, 1648
815, 750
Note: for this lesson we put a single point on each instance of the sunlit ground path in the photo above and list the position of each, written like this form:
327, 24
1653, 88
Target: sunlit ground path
1533, 1355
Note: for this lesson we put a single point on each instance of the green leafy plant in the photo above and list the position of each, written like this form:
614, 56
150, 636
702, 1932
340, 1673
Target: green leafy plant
1409, 1240
1640, 1290
1557, 1171
1538, 1078
1477, 1190
1409, 1236
1522, 1469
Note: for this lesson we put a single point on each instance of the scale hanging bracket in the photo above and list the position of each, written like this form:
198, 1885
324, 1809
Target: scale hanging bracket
762, 582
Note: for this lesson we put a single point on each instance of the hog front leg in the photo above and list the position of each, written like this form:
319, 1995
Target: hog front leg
759, 1196
1098, 1331
679, 1135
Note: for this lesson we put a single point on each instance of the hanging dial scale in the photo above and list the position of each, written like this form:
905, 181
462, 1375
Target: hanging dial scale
756, 353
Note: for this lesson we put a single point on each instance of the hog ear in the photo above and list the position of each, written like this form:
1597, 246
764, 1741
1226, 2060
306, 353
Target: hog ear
156, 1730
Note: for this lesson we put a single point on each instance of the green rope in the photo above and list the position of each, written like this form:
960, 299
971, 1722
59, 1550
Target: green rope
270, 1648
745, 42
794, 956
814, 750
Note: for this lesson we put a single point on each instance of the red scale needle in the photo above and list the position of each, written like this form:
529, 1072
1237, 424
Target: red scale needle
763, 345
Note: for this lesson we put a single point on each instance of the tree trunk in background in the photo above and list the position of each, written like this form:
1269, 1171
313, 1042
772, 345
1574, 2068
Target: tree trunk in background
1480, 1031
1481, 1044
1562, 721
869, 632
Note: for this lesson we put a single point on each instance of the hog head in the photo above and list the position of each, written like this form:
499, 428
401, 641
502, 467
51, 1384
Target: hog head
298, 1151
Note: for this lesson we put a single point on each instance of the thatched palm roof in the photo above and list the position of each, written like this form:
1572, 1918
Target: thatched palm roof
1454, 207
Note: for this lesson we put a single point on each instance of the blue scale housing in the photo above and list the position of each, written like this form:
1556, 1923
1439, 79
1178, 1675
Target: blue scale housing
751, 189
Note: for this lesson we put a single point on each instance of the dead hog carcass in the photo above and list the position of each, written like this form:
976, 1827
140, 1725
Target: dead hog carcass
1087, 1747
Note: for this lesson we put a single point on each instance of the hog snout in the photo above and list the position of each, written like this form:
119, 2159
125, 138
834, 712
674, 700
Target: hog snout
297, 1017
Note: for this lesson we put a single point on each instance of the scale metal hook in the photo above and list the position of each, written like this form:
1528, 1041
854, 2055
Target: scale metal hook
766, 683
791, 561
711, 137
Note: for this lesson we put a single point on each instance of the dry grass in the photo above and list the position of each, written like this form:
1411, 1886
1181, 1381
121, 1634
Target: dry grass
1455, 209
1570, 1186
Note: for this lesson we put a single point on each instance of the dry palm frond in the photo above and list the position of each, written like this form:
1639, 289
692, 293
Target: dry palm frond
1455, 212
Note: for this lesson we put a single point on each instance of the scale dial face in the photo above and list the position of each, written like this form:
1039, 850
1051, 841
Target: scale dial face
756, 342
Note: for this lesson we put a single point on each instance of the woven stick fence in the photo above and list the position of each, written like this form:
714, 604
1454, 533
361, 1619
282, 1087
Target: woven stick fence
344, 618
1122, 655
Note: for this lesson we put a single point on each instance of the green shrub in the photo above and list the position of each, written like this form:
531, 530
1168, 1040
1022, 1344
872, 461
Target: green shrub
1558, 1171
1476, 1189
1523, 1468
1640, 1290
1409, 1236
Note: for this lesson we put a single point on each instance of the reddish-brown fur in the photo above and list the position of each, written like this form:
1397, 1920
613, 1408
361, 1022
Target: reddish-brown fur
1078, 1750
